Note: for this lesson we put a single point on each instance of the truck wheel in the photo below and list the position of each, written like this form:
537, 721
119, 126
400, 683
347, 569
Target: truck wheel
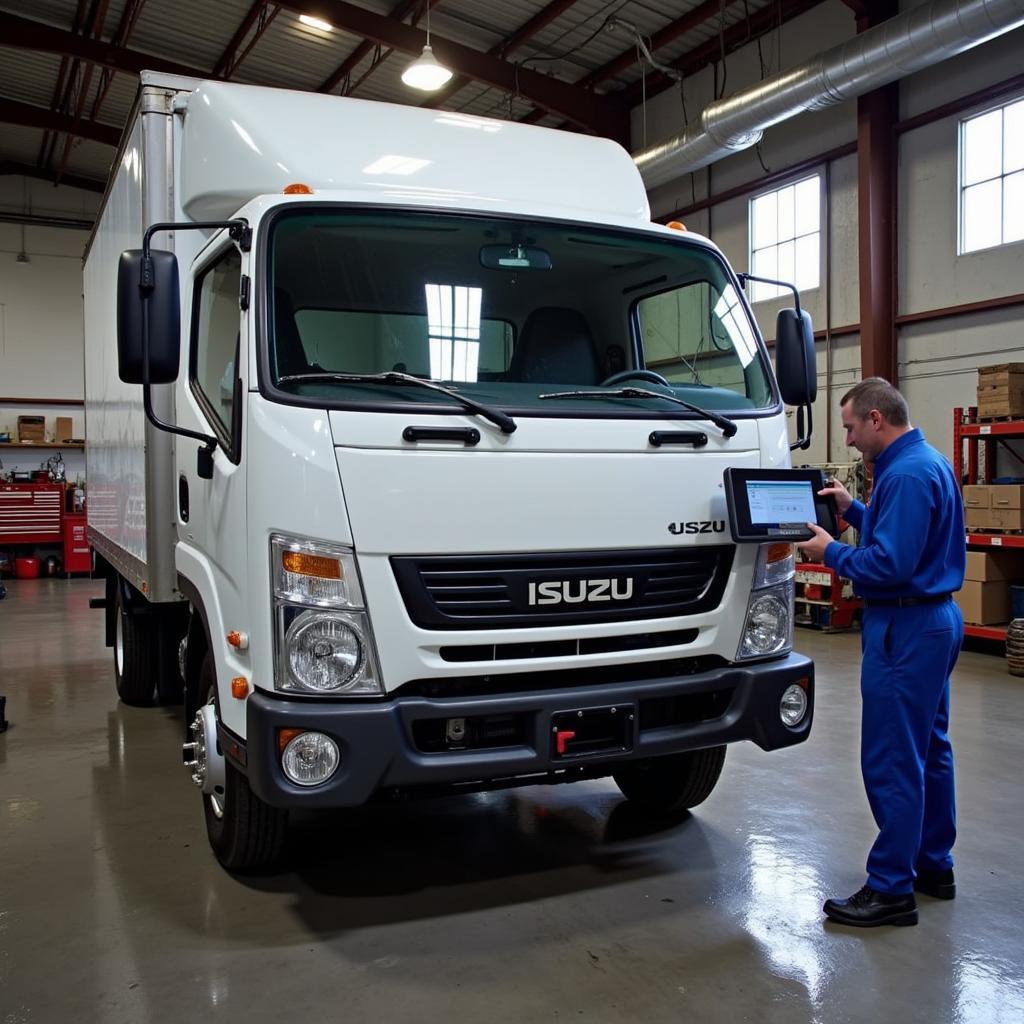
671, 783
246, 834
135, 647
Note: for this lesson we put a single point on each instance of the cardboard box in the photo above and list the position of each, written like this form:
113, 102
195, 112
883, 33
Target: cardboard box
977, 496
32, 428
1006, 496
986, 566
65, 429
1006, 518
984, 604
978, 518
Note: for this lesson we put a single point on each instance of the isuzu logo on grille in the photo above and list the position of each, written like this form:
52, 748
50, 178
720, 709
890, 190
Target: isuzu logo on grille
580, 591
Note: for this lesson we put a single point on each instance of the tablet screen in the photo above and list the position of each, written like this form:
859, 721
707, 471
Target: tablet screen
780, 501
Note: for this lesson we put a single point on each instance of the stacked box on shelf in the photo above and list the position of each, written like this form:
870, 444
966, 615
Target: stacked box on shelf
1001, 390
994, 506
32, 428
985, 597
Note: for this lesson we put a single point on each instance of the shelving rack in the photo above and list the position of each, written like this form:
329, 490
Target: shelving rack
41, 444
978, 437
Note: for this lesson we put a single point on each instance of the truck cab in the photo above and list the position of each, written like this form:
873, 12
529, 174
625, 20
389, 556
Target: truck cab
447, 430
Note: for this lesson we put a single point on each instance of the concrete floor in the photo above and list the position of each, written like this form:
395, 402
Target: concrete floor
538, 904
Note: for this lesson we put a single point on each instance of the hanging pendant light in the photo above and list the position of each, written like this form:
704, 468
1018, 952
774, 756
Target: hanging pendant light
426, 72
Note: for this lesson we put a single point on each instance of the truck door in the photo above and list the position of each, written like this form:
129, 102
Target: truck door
212, 513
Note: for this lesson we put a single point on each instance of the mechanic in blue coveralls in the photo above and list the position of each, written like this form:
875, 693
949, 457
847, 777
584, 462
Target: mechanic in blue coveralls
910, 560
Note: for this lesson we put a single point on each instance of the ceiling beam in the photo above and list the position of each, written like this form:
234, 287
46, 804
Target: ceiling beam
600, 114
73, 180
94, 30
507, 46
26, 34
129, 16
58, 89
13, 112
669, 33
363, 50
765, 20
705, 12
261, 15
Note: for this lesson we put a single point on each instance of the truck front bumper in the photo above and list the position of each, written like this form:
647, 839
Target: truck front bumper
394, 744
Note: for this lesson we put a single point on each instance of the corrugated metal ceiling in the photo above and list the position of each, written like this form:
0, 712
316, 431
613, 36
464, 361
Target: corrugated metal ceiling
291, 55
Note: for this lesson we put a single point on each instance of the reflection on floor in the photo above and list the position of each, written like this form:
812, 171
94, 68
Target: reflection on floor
537, 904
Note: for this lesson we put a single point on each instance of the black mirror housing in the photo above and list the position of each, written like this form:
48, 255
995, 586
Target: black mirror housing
164, 311
795, 365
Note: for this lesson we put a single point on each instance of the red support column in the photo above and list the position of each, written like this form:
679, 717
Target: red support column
877, 112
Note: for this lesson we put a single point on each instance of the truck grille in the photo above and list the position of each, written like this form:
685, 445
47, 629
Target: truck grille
568, 588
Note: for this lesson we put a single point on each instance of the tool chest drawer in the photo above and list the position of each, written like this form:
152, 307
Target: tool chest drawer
30, 513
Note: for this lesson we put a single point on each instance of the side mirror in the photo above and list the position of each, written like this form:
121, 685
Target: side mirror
163, 310
795, 364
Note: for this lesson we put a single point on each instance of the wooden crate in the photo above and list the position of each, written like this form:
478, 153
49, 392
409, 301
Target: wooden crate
1001, 390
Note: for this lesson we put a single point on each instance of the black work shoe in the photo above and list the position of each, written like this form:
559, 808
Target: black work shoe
939, 884
867, 908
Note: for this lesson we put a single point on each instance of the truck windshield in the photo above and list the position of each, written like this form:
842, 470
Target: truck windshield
504, 312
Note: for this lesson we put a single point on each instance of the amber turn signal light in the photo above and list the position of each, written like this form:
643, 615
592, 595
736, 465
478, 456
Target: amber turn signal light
311, 565
285, 736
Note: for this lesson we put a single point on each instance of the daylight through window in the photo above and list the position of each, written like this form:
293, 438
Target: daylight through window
785, 237
992, 178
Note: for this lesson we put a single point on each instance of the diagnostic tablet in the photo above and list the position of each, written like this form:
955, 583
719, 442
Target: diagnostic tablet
777, 504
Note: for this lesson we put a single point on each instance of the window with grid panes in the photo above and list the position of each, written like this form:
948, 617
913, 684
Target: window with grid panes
992, 178
785, 237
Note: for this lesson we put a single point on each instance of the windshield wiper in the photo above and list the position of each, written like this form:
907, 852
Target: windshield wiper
496, 416
727, 426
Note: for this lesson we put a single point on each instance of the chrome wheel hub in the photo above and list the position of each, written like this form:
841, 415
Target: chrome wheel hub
204, 760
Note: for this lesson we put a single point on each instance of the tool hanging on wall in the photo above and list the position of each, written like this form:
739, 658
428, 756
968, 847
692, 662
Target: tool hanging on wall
54, 467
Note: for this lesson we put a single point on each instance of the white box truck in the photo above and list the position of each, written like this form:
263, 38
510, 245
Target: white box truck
422, 490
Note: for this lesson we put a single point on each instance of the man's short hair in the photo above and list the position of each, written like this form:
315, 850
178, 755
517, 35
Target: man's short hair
878, 393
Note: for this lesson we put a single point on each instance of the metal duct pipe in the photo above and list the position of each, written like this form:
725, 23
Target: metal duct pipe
890, 51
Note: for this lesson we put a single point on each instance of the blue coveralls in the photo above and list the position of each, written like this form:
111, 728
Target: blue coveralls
912, 544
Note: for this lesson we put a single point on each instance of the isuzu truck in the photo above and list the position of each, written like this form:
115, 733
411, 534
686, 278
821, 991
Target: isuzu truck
406, 440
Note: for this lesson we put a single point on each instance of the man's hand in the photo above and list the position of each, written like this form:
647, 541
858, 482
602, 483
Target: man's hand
843, 497
814, 548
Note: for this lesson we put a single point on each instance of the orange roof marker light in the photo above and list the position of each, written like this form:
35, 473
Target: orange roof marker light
676, 225
297, 189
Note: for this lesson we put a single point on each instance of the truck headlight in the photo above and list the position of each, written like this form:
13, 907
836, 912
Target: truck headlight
323, 637
768, 627
325, 652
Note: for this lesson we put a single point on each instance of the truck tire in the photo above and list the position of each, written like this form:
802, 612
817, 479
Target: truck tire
135, 654
673, 783
246, 834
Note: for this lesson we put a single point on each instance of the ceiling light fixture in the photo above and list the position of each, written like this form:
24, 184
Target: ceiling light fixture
426, 72
308, 19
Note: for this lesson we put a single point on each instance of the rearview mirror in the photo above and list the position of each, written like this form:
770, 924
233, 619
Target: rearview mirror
514, 257
163, 310
795, 365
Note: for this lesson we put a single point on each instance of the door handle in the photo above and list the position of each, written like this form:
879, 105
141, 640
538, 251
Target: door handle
183, 498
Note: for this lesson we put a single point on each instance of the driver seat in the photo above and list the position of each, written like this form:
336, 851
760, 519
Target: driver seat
555, 347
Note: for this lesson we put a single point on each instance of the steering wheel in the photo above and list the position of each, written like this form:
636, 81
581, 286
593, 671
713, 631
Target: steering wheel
648, 375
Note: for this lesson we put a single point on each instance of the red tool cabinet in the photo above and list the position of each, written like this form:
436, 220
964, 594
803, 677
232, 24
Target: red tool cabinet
77, 553
31, 513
